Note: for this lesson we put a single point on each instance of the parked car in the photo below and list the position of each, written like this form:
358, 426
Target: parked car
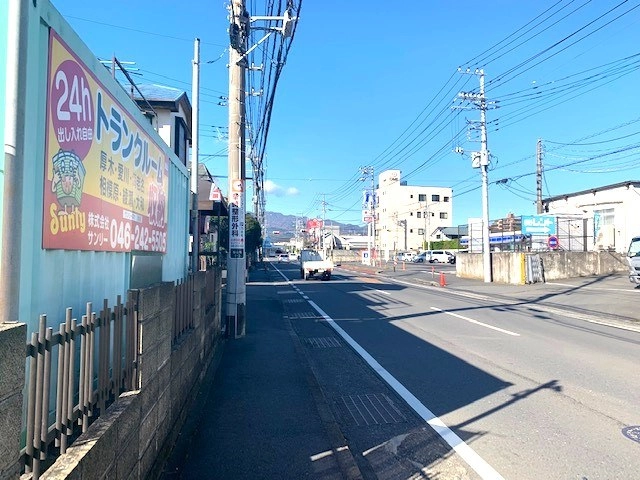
440, 256
421, 258
405, 256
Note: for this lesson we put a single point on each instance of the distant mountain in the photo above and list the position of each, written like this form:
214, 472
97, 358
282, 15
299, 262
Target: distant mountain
286, 225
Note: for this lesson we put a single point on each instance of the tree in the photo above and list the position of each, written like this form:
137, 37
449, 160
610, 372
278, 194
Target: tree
252, 233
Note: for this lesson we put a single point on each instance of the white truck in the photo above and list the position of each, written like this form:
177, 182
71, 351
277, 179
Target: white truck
633, 257
312, 264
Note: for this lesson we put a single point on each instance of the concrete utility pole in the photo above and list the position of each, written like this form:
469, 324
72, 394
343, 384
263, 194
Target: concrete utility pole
371, 201
481, 160
539, 208
14, 159
195, 127
322, 231
236, 263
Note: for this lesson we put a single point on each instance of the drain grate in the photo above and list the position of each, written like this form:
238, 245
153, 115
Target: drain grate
303, 315
323, 342
369, 409
293, 300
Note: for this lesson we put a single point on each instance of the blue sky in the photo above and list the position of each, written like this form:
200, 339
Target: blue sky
370, 83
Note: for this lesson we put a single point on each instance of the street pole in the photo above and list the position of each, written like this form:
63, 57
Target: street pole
539, 208
195, 122
484, 165
481, 160
236, 266
14, 159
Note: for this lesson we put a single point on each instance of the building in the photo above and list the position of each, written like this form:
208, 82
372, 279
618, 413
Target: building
170, 112
409, 217
609, 213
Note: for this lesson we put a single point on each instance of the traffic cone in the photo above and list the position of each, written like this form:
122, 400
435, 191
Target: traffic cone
443, 282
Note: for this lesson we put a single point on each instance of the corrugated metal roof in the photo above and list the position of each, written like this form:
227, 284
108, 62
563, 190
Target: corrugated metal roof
159, 93
634, 183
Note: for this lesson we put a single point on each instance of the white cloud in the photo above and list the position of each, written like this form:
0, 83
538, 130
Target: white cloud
274, 189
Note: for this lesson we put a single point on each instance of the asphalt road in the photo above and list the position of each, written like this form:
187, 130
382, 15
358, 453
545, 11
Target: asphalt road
520, 393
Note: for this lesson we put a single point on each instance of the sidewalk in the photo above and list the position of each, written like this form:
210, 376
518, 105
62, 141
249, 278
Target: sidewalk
261, 415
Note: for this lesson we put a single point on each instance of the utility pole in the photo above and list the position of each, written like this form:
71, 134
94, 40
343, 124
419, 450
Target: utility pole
236, 263
322, 232
539, 154
195, 126
481, 160
370, 208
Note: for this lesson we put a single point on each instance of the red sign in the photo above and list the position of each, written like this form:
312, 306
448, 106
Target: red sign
214, 194
314, 223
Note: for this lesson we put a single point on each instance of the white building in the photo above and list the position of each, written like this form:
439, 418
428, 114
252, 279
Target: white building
408, 217
609, 213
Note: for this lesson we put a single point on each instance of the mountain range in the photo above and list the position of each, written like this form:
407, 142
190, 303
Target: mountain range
286, 225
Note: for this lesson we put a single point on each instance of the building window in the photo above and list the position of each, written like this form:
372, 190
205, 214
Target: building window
180, 140
445, 199
419, 214
411, 230
422, 197
444, 215
421, 231
411, 214
411, 196
435, 198
438, 236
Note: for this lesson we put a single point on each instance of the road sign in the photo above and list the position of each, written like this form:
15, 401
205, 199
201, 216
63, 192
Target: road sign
538, 225
552, 241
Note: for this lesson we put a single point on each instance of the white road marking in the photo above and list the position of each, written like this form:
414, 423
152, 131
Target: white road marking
587, 287
476, 322
376, 290
474, 460
477, 463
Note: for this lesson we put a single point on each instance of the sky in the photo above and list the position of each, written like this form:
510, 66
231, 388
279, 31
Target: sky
373, 84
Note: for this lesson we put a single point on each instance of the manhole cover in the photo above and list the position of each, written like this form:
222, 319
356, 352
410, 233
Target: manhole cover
632, 433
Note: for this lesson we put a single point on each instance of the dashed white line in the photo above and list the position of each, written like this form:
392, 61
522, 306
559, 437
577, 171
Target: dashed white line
476, 322
376, 290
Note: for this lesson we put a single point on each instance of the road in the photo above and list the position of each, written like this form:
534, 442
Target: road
520, 393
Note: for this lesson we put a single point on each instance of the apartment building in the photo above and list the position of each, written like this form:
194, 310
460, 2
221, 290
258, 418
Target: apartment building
409, 216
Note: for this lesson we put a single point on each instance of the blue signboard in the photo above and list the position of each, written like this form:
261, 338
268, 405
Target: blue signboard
538, 225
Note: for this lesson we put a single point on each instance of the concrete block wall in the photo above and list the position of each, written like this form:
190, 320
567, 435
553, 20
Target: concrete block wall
13, 337
507, 267
139, 429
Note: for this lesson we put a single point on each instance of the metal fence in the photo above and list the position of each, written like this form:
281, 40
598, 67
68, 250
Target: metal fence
506, 235
93, 362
